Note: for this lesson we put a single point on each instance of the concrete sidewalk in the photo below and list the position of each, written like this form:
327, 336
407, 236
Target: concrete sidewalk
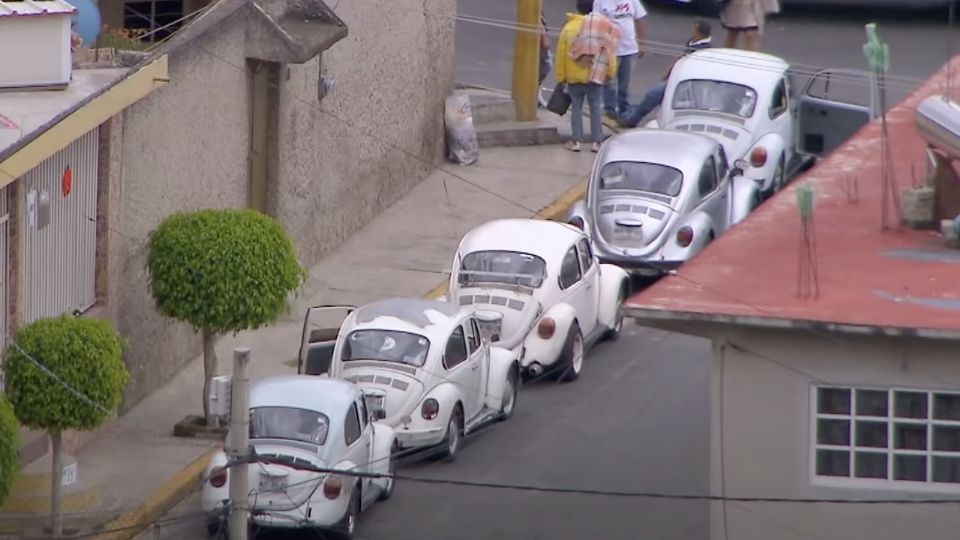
136, 469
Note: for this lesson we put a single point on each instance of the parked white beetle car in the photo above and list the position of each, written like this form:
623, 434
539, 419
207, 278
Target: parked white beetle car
656, 198
422, 361
745, 100
299, 424
539, 290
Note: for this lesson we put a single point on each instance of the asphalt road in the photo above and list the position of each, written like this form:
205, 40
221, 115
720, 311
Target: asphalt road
806, 37
636, 420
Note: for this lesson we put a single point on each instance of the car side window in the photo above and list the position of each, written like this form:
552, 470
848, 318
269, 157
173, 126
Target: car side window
456, 352
779, 103
586, 256
351, 426
364, 415
473, 336
722, 167
570, 269
708, 177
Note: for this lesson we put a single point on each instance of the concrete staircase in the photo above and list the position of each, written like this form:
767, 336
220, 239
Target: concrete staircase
494, 118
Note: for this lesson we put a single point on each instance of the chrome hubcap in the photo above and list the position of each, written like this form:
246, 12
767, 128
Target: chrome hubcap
510, 397
454, 431
577, 353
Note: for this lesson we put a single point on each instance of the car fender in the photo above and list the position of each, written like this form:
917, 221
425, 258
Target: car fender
350, 483
502, 362
211, 497
701, 224
447, 395
745, 194
763, 175
384, 438
613, 281
579, 211
547, 351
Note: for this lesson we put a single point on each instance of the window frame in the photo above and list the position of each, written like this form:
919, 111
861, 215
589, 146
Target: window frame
776, 110
576, 259
473, 343
446, 348
355, 413
584, 255
709, 166
887, 483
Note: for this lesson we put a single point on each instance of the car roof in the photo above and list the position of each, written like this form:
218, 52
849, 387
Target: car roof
331, 397
679, 149
546, 239
755, 69
429, 318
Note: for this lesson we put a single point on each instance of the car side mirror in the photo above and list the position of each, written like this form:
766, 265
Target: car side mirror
739, 166
378, 414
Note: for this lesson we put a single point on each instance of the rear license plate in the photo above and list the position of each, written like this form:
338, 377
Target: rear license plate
273, 484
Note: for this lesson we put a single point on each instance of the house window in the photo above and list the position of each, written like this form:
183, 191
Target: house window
155, 18
892, 436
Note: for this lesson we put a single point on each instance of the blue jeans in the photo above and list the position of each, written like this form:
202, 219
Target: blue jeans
594, 96
651, 101
616, 91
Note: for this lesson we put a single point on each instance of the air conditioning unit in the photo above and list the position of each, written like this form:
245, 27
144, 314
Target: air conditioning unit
35, 38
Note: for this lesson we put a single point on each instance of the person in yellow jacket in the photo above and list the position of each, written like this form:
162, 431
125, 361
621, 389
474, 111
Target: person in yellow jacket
586, 59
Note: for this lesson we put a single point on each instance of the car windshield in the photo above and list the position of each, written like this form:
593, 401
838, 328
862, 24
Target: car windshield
386, 346
509, 267
716, 96
289, 423
641, 176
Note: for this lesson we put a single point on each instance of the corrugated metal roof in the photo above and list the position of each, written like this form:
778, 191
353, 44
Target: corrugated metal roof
35, 8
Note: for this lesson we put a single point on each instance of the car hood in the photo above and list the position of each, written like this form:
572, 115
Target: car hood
296, 484
631, 222
735, 139
520, 311
399, 383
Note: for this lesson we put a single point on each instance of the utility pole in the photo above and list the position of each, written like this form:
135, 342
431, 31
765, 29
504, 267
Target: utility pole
238, 448
526, 59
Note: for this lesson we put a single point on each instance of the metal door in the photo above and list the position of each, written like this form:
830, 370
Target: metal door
58, 231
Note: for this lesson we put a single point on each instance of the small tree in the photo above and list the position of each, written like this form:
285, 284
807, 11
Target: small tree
9, 448
222, 271
64, 373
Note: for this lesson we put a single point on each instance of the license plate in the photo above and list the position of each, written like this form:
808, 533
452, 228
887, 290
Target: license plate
630, 232
273, 484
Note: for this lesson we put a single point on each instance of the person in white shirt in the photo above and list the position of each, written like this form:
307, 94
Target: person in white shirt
629, 15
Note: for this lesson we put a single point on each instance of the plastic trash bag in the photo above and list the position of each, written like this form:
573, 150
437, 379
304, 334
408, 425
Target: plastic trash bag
462, 146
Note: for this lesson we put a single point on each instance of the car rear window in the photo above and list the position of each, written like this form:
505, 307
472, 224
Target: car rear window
715, 96
386, 346
289, 423
510, 267
641, 176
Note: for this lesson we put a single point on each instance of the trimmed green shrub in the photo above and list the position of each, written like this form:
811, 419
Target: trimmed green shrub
9, 448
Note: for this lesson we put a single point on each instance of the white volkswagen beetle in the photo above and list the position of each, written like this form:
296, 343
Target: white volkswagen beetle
423, 362
539, 290
299, 424
745, 101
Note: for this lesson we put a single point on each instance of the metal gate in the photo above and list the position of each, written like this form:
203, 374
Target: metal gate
58, 231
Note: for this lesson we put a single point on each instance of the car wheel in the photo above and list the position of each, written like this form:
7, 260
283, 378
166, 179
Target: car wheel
613, 334
217, 528
391, 470
454, 435
573, 351
348, 526
510, 389
778, 175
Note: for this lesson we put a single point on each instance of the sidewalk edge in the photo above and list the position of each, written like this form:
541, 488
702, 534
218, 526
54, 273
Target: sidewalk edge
165, 497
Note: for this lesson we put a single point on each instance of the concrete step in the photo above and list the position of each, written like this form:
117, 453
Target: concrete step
518, 134
491, 108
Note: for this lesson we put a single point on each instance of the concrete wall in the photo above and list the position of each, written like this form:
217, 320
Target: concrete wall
761, 434
185, 147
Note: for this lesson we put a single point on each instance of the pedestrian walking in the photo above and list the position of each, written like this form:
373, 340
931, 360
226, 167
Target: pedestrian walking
747, 18
629, 15
586, 59
701, 39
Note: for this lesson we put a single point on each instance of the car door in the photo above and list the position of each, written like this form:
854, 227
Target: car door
574, 291
463, 370
714, 195
321, 327
834, 105
591, 284
781, 123
359, 443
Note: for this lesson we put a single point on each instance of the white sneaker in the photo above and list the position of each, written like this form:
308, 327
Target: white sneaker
573, 146
595, 148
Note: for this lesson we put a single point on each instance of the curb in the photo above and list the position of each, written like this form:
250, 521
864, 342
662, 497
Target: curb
554, 211
165, 497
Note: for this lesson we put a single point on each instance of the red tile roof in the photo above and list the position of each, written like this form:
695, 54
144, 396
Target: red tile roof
904, 279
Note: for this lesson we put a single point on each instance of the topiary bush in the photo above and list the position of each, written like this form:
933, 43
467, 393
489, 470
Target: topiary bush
222, 271
9, 448
64, 373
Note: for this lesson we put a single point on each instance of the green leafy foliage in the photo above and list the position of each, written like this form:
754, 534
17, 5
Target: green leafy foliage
86, 355
9, 447
223, 270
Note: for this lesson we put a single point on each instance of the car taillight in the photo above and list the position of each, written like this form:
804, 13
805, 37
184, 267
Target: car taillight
332, 487
758, 157
546, 328
684, 236
430, 409
577, 222
218, 477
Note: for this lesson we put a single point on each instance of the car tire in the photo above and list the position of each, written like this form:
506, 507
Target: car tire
217, 528
391, 470
572, 356
779, 175
347, 527
613, 334
454, 437
512, 385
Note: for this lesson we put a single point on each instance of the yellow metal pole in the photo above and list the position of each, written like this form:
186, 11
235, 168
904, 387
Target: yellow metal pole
526, 59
